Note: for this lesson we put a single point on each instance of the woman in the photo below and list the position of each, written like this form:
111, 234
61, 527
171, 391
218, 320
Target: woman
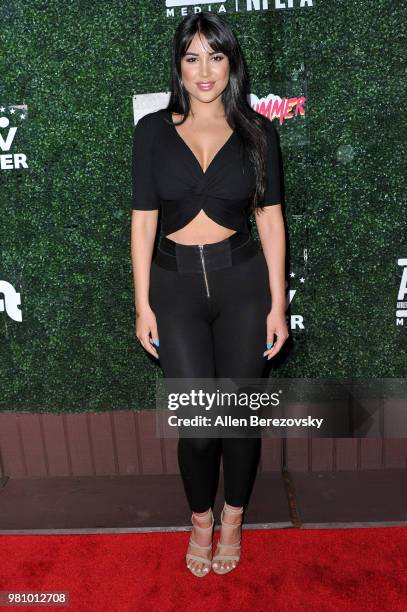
205, 300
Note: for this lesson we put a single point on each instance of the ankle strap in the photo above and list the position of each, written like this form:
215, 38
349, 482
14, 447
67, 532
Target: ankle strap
227, 508
203, 516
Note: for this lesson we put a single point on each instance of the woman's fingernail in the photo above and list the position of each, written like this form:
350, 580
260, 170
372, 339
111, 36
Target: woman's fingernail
269, 345
156, 342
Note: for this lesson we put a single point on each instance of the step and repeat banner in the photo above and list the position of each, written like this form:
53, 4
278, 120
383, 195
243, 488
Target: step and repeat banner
77, 76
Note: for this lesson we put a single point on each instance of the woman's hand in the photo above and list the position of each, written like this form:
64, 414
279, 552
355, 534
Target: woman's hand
276, 324
146, 330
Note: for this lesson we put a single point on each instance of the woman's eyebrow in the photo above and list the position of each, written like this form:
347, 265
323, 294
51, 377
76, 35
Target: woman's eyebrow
197, 54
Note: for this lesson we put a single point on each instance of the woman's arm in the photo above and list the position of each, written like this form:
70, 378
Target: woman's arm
270, 226
145, 209
143, 231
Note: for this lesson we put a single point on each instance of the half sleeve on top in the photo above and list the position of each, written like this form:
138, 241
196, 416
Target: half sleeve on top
273, 192
145, 196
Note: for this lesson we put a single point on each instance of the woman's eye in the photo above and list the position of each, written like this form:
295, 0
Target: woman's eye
191, 60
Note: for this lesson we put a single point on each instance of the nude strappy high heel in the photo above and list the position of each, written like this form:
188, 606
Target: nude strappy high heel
190, 556
218, 558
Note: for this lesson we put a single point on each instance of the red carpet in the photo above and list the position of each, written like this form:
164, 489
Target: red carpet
291, 570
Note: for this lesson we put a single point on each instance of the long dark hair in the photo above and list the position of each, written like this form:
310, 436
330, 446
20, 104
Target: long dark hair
247, 123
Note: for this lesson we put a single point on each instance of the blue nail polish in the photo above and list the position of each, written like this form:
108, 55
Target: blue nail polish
269, 345
156, 342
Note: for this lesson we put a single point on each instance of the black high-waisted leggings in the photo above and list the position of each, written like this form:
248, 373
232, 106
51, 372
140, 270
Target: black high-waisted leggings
211, 305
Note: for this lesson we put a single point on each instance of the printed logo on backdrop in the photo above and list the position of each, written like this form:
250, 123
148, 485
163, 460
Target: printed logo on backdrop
10, 301
274, 107
401, 308
296, 281
10, 120
217, 6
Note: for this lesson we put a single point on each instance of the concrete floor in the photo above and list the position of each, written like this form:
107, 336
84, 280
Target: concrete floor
157, 503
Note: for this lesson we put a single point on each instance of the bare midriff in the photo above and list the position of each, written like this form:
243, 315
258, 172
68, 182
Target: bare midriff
201, 230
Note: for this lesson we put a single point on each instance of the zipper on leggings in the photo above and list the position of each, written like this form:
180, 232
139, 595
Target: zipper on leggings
203, 268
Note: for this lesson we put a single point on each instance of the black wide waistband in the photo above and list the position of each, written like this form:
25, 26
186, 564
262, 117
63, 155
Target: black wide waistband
213, 256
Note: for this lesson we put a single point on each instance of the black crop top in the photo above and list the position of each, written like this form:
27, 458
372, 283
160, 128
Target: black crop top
167, 175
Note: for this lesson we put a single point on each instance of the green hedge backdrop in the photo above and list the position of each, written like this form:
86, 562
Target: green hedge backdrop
65, 219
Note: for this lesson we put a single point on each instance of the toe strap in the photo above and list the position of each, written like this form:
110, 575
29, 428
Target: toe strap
226, 558
191, 557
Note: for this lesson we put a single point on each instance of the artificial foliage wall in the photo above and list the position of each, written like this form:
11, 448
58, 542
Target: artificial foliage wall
69, 72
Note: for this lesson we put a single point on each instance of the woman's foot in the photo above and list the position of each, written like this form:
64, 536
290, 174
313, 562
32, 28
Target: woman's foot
227, 553
199, 554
